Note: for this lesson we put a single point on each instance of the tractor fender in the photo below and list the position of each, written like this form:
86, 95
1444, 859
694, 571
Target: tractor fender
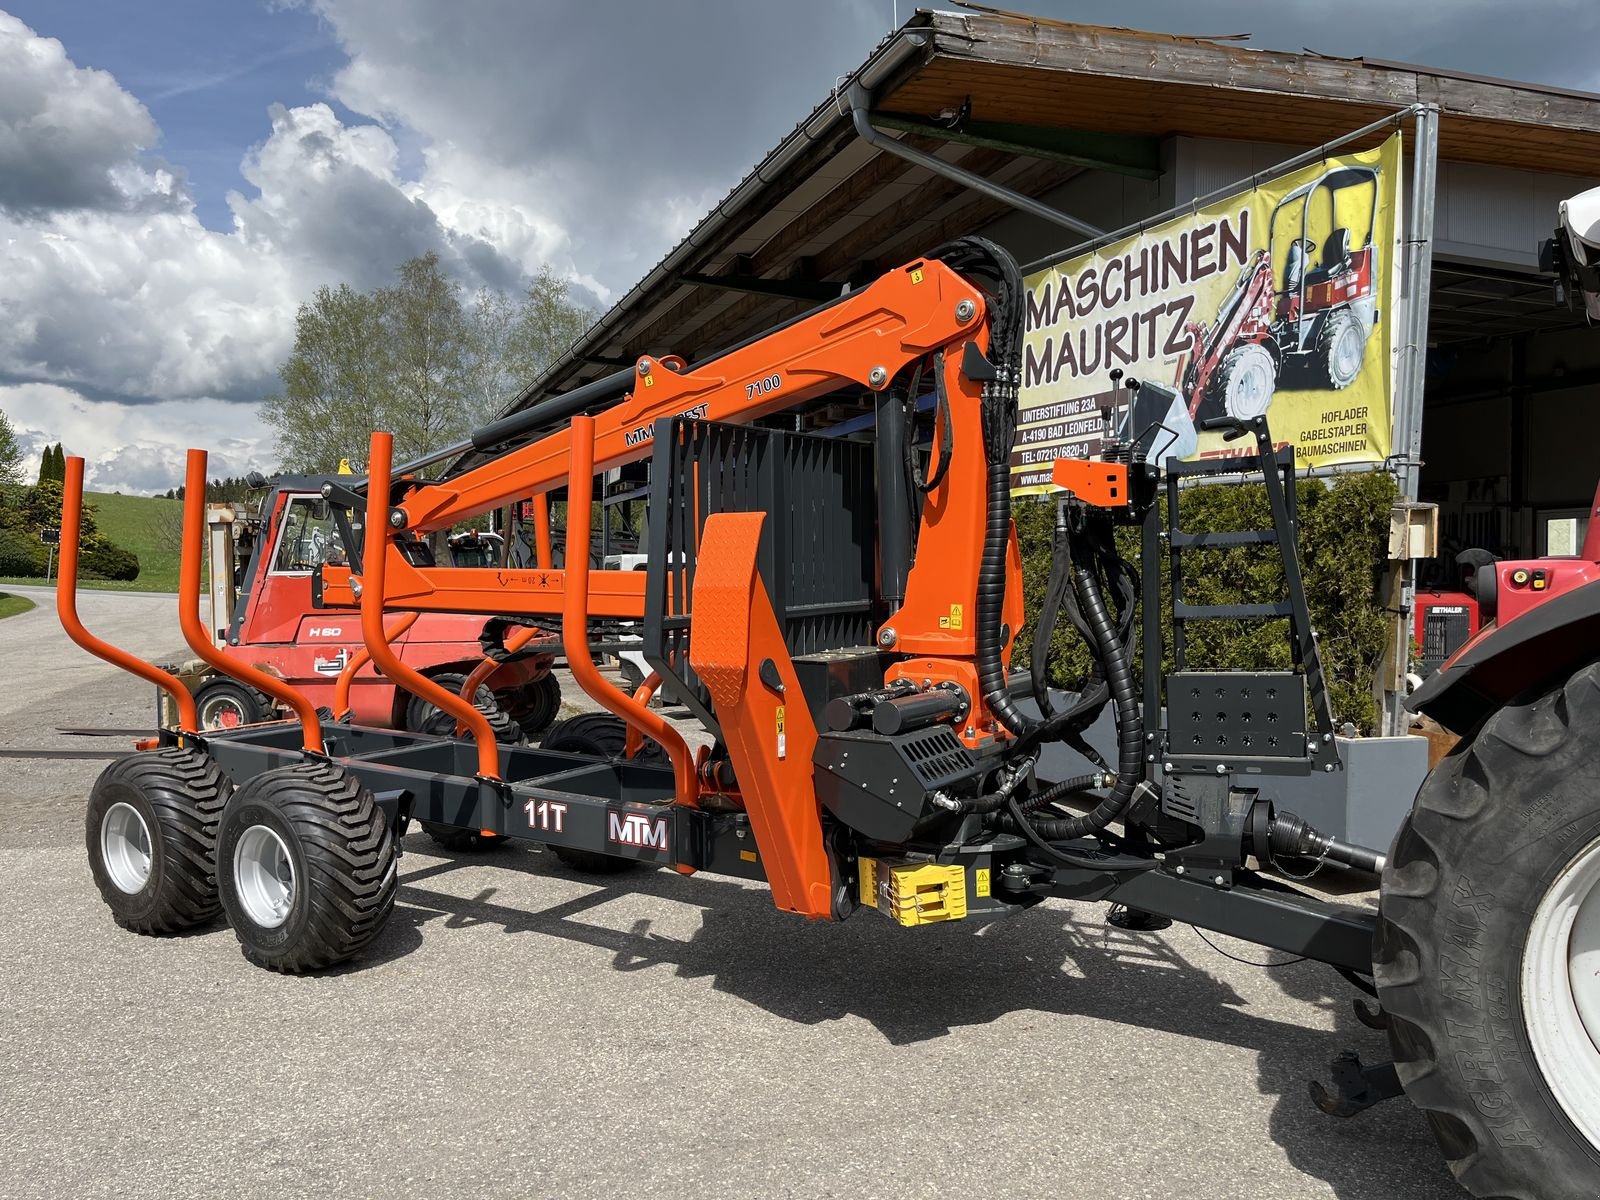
1536, 650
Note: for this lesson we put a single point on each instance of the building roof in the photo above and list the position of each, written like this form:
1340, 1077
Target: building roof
1029, 103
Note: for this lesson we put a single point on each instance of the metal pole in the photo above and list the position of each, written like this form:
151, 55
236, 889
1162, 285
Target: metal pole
50, 567
860, 101
1406, 446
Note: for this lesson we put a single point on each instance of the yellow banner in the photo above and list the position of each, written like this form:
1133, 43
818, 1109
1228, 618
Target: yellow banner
1280, 301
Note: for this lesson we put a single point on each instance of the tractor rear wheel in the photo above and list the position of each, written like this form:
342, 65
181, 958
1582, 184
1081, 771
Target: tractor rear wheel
422, 717
151, 834
1245, 381
603, 736
533, 706
1341, 349
224, 704
1488, 949
306, 863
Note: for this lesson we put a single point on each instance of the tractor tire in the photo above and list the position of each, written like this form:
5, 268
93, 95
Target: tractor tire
1245, 382
1341, 349
151, 833
533, 706
1488, 950
307, 867
603, 735
422, 717
224, 704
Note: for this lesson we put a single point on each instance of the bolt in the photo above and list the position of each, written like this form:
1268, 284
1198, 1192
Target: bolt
1182, 870
1221, 769
887, 638
397, 518
644, 366
964, 311
1150, 758
1328, 768
1166, 766
878, 377
1149, 737
971, 731
1218, 880
1326, 738
327, 491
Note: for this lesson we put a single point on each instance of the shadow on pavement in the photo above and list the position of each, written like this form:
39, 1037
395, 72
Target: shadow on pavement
1043, 959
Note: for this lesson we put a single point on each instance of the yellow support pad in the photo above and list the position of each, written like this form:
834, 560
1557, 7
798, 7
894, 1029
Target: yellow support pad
914, 893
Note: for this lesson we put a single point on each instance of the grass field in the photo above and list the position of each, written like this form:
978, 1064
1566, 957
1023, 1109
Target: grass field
146, 525
10, 606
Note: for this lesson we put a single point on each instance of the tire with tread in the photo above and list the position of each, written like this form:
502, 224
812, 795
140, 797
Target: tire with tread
344, 859
1340, 332
533, 706
180, 795
606, 736
1494, 826
224, 695
422, 717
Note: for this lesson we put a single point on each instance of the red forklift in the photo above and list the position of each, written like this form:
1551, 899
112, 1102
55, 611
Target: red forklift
263, 570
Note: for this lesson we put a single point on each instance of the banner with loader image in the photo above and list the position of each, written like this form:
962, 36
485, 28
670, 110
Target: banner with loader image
1279, 300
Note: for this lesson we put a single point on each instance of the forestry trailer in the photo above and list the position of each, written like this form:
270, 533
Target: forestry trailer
841, 620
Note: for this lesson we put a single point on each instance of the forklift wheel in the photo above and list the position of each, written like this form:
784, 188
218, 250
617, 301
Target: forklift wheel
533, 706
306, 865
605, 736
152, 839
422, 717
223, 704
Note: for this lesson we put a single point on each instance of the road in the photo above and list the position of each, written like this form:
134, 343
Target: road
519, 1029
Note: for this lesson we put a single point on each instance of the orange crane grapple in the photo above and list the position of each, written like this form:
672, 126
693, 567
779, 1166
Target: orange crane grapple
839, 614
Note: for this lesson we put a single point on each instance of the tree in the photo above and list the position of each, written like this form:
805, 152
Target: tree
333, 381
430, 346
10, 453
412, 359
53, 465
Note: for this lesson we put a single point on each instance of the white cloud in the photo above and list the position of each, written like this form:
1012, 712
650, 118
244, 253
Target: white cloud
134, 448
71, 137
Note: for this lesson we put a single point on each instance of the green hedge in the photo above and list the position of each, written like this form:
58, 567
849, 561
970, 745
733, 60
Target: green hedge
1344, 531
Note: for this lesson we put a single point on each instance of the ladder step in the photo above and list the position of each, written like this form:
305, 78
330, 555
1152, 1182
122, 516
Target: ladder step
1240, 537
1231, 612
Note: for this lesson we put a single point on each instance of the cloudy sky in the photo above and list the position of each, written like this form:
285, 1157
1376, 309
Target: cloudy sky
176, 176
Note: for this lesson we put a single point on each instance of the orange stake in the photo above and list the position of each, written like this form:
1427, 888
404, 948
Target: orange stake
67, 605
341, 687
541, 531
575, 620
199, 637
374, 565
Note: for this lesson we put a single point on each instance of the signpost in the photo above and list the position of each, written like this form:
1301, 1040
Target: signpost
50, 535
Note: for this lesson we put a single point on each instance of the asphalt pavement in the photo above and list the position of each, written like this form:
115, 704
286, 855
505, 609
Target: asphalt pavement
519, 1029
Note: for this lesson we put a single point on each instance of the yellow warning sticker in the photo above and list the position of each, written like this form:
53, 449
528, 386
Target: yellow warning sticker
783, 741
916, 274
649, 381
956, 617
983, 881
779, 714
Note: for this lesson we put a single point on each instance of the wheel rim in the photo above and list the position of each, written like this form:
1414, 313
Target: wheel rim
263, 875
221, 712
1561, 990
1348, 349
125, 848
1250, 390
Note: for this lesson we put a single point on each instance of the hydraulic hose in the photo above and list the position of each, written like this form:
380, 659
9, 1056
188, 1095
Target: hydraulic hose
1113, 654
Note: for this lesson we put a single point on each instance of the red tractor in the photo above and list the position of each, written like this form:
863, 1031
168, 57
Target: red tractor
262, 571
1315, 322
